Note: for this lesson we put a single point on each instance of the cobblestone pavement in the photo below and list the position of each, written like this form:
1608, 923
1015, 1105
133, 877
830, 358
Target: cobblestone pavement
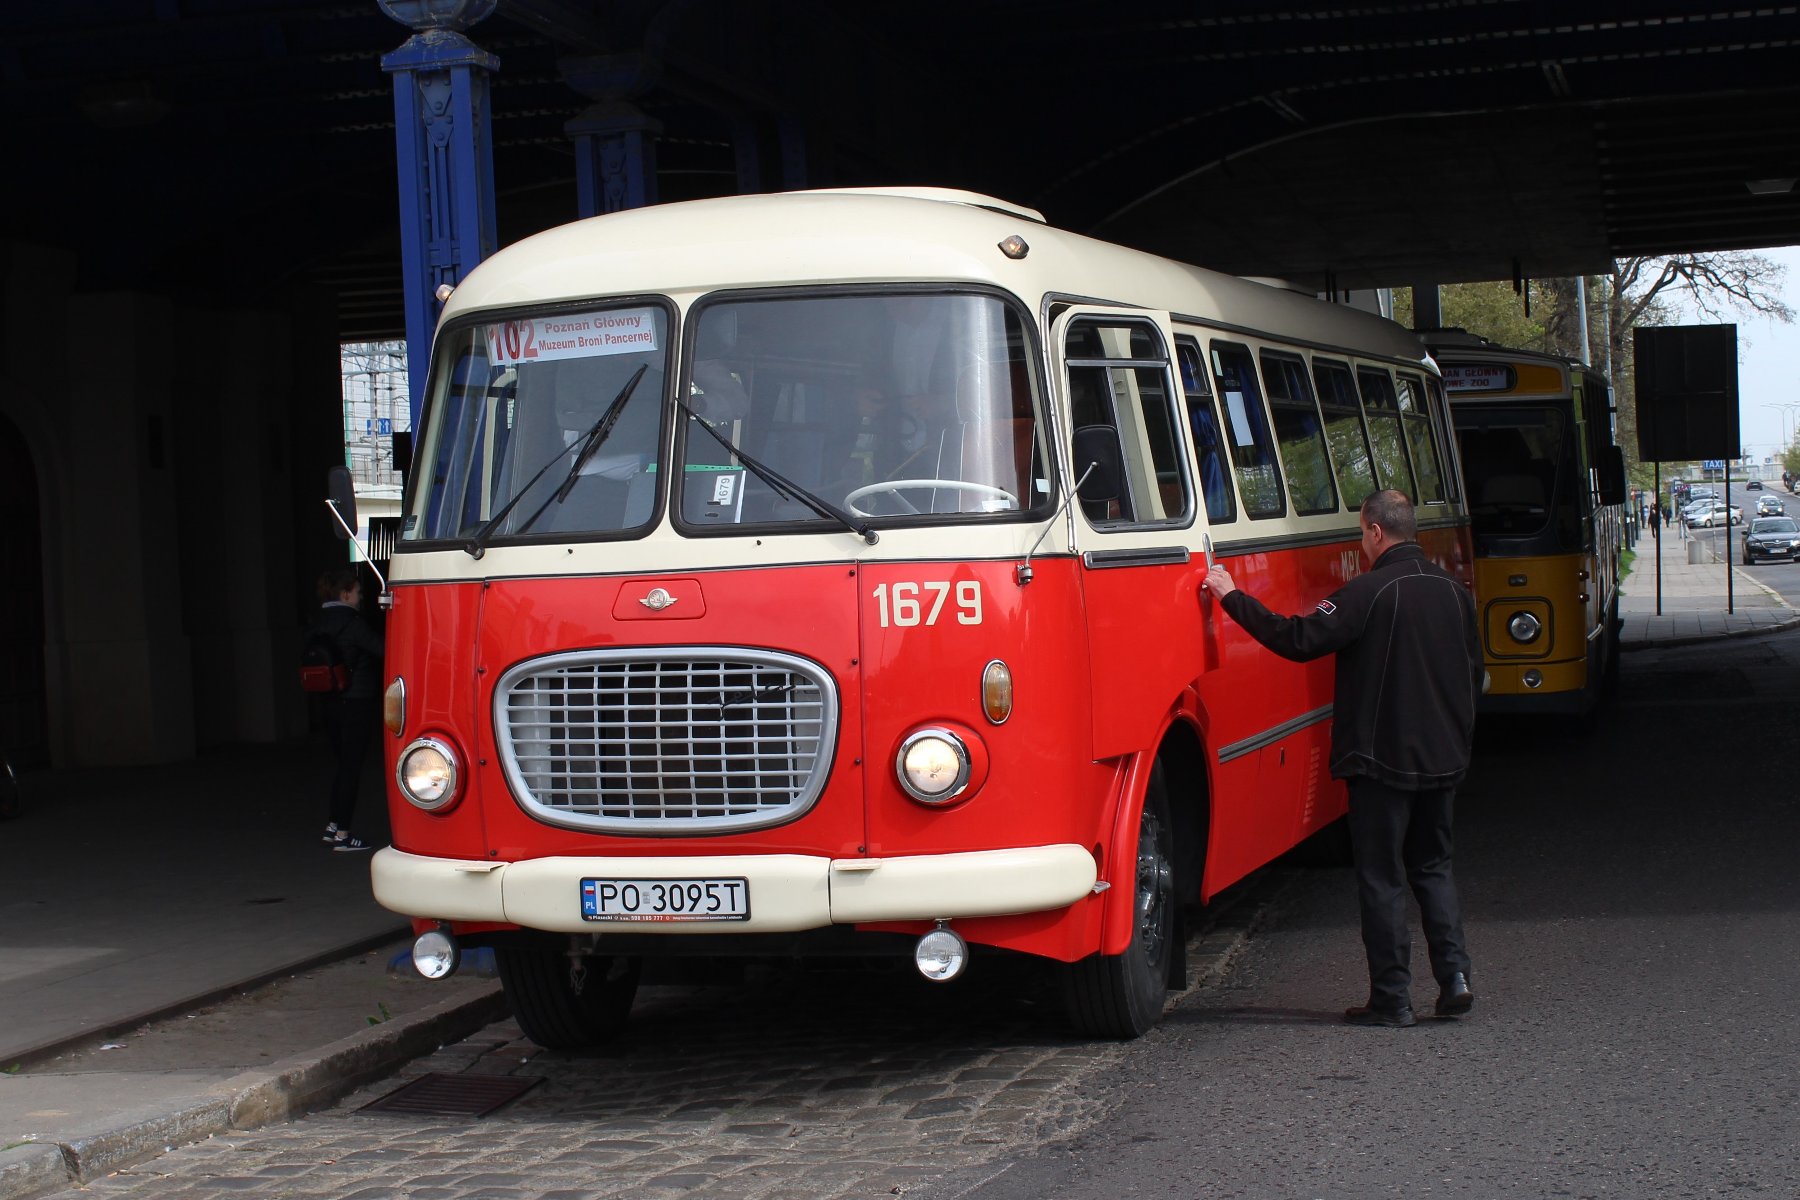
792, 1085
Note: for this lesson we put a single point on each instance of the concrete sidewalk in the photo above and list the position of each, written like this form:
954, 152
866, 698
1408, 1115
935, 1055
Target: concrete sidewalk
1689, 601
181, 955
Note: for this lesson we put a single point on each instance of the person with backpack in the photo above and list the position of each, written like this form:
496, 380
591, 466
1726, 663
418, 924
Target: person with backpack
341, 660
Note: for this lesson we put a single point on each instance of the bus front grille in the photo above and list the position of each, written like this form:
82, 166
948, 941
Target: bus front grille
687, 740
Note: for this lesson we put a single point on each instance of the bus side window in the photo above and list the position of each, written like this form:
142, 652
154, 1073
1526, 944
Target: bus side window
1247, 427
1381, 408
1119, 377
1415, 419
1345, 435
1299, 433
1440, 425
1203, 422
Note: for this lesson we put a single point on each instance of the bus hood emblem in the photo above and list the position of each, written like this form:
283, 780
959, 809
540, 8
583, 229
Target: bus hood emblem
657, 600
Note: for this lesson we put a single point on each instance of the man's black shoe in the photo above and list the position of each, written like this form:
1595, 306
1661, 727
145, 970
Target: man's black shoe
1454, 997
1396, 1018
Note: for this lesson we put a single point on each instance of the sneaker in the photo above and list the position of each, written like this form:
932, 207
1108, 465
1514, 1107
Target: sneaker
331, 833
344, 841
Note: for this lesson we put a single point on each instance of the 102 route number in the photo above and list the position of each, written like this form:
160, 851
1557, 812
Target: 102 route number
907, 604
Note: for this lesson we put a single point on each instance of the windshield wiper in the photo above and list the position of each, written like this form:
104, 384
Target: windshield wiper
585, 446
784, 485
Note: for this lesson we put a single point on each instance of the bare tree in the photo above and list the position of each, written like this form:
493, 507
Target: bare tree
1644, 291
1651, 291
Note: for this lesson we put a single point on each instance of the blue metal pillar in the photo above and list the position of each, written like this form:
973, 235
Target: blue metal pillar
445, 153
615, 140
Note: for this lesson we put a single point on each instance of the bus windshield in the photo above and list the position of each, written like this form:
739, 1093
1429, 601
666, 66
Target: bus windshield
1513, 459
893, 407
522, 426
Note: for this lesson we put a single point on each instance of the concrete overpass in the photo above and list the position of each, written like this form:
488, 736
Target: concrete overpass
204, 201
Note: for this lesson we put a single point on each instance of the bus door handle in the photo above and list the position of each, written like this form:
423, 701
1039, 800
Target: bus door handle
1206, 548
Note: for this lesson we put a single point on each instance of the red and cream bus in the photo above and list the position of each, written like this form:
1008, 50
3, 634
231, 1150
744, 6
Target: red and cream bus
823, 568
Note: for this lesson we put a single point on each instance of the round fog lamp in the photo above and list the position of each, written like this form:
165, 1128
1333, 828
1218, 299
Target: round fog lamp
435, 954
941, 954
933, 766
1534, 679
1524, 627
427, 774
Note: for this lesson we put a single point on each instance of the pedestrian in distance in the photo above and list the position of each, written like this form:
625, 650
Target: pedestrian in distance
1409, 670
351, 714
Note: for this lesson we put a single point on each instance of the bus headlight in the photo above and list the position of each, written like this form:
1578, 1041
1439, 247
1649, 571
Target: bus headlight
933, 766
427, 774
1524, 627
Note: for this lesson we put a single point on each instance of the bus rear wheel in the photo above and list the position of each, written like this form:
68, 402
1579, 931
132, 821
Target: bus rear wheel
560, 1008
1122, 995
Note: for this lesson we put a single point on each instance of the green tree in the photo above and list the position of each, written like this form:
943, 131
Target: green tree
1490, 310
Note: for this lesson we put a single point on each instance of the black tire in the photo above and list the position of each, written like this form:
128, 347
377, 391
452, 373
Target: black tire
535, 975
1122, 995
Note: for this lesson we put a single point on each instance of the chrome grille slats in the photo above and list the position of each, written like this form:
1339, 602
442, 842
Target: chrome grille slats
679, 740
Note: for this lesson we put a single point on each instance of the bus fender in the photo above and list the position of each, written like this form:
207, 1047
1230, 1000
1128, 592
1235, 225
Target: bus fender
1131, 779
1119, 866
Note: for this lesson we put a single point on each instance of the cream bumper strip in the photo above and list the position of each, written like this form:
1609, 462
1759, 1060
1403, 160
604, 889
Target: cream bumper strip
787, 891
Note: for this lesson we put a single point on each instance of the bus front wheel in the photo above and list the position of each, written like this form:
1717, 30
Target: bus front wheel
1122, 995
564, 1009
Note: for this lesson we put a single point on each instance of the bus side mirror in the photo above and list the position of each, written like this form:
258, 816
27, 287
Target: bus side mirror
1612, 475
1099, 466
340, 493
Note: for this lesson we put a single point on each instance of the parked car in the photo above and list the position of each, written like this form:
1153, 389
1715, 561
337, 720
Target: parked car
1716, 513
1770, 506
1770, 538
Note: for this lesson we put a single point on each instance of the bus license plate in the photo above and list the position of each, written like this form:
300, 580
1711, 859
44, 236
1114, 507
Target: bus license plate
665, 899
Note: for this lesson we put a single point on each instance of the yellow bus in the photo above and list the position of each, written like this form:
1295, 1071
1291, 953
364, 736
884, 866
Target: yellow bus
1546, 487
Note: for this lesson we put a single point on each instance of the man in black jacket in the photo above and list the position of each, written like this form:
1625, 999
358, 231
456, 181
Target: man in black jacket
1408, 672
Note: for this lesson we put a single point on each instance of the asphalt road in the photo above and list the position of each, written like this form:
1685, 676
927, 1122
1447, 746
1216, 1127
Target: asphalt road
1630, 903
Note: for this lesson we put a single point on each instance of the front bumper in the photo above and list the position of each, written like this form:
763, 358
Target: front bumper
788, 892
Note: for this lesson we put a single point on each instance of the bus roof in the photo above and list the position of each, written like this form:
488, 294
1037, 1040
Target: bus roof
901, 235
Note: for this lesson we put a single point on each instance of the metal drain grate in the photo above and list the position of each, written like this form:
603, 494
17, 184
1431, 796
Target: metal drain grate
439, 1095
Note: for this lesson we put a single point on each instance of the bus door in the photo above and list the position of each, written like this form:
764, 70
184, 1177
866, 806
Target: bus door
1140, 534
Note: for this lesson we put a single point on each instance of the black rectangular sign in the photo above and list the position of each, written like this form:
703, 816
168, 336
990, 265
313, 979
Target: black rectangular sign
1687, 392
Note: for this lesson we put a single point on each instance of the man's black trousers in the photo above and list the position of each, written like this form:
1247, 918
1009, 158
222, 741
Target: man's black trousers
1402, 840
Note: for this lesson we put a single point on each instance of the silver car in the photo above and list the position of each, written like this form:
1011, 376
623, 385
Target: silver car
1708, 515
1769, 505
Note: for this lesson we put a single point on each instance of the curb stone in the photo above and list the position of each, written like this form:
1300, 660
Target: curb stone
278, 1092
31, 1170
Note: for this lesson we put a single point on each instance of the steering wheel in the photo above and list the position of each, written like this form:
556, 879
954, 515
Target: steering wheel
895, 486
